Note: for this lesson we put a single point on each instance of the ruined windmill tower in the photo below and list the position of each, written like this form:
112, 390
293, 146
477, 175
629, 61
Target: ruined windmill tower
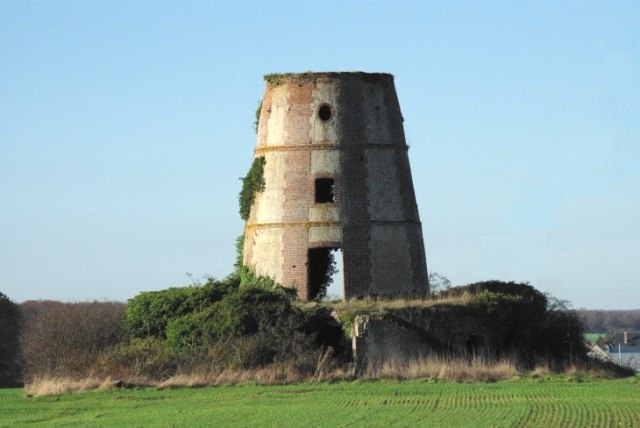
336, 175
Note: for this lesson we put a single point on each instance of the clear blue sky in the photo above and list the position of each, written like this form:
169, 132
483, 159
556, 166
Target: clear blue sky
124, 127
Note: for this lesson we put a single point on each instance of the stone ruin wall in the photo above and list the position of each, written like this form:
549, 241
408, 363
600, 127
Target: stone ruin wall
411, 334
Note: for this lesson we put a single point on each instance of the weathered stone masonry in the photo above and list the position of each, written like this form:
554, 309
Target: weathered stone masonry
346, 127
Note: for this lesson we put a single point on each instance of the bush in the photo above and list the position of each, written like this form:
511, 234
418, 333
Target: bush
517, 318
248, 311
10, 323
523, 290
149, 313
263, 349
562, 332
66, 339
187, 332
148, 357
513, 320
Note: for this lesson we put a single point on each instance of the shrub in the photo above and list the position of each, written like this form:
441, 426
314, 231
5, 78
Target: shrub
65, 339
149, 313
263, 349
250, 311
513, 320
251, 328
187, 332
148, 357
513, 313
10, 323
517, 318
562, 332
246, 312
524, 290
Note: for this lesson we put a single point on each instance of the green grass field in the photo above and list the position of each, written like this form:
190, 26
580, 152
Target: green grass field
552, 403
593, 337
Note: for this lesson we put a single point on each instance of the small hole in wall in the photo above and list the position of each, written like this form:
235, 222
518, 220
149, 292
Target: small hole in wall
324, 113
377, 108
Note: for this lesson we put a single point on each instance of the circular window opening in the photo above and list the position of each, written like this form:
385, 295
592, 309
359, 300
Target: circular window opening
324, 113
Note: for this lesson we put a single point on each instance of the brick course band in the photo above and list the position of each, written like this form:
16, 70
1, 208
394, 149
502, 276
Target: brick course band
305, 147
309, 224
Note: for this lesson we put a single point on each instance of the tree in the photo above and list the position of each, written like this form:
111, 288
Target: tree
66, 339
562, 331
10, 324
438, 283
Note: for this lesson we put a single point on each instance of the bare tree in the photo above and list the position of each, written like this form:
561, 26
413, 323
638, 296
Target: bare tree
65, 339
438, 283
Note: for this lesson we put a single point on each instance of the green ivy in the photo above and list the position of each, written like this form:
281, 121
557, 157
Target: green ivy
257, 121
239, 254
252, 183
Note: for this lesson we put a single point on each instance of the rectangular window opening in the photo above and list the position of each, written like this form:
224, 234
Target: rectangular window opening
324, 190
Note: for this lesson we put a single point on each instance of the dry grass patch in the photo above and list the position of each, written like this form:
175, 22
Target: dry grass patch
477, 368
371, 304
197, 377
56, 386
473, 369
590, 367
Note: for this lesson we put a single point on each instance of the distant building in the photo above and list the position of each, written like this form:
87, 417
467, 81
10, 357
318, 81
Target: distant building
627, 338
597, 352
627, 356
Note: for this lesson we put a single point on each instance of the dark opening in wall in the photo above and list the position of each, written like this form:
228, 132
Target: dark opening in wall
324, 113
473, 343
324, 190
322, 266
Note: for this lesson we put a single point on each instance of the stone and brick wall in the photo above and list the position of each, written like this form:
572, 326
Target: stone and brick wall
412, 333
374, 217
376, 341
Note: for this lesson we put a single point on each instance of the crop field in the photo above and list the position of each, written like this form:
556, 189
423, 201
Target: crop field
528, 402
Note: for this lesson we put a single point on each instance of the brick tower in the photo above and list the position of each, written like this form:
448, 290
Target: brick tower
336, 175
